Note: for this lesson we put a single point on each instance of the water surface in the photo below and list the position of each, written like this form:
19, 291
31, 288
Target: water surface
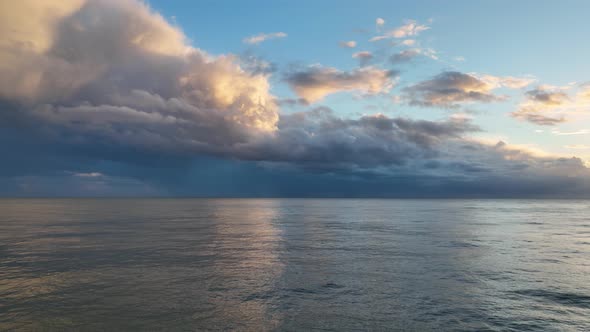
294, 264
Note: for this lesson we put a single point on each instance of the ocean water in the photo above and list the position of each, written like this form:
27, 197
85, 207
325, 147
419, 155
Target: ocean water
294, 265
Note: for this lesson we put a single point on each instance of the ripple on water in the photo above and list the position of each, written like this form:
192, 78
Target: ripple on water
569, 299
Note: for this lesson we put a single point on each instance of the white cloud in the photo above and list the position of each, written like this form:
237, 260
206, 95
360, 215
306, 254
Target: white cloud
570, 133
379, 22
348, 44
257, 39
411, 28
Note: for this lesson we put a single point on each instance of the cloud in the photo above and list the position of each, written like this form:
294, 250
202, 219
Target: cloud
548, 106
379, 23
129, 77
348, 44
449, 90
408, 42
411, 28
531, 115
316, 82
319, 138
378, 38
364, 57
405, 55
409, 54
540, 101
551, 98
570, 133
69, 185
510, 82
584, 93
89, 175
577, 147
259, 38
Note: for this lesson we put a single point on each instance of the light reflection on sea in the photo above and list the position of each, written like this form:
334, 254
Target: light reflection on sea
294, 264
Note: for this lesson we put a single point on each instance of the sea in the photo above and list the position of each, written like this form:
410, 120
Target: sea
294, 265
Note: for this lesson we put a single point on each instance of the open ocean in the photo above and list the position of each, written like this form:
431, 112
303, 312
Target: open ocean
294, 265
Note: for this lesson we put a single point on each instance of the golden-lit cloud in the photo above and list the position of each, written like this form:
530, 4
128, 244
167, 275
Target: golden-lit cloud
316, 82
550, 105
510, 82
95, 55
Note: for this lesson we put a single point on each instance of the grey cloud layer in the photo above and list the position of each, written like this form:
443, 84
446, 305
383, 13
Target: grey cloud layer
319, 138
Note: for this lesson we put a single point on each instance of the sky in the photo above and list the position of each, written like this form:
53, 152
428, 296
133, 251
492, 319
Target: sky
295, 99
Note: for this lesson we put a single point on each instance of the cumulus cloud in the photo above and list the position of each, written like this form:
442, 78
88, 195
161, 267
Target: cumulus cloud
316, 82
114, 81
409, 29
450, 89
128, 65
348, 44
259, 38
